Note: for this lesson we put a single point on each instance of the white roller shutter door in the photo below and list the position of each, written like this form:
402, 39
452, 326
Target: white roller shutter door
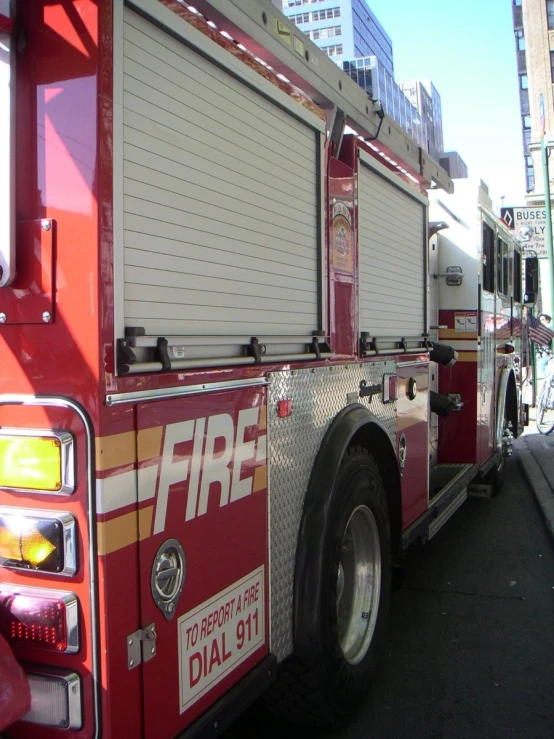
392, 257
220, 198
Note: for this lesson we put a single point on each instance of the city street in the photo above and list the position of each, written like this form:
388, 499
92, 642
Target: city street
470, 651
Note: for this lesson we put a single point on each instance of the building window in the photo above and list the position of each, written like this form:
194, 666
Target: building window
316, 15
301, 18
523, 82
520, 40
517, 277
488, 258
550, 13
321, 15
529, 173
502, 280
552, 66
332, 50
325, 33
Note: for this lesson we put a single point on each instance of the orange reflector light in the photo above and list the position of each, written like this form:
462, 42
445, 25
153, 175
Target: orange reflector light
31, 462
41, 618
32, 542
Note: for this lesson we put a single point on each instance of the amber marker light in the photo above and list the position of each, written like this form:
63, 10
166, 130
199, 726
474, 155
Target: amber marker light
43, 541
29, 461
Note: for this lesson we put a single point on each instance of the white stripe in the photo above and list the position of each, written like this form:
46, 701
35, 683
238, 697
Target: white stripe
462, 344
147, 478
116, 492
261, 451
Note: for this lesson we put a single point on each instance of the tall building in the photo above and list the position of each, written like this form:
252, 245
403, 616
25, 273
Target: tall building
453, 163
425, 98
534, 37
344, 29
375, 78
532, 41
350, 33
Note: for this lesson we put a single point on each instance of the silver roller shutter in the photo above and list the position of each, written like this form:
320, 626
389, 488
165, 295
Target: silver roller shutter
392, 253
220, 197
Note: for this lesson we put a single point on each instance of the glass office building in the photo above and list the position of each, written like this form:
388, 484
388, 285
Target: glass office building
344, 29
375, 78
349, 32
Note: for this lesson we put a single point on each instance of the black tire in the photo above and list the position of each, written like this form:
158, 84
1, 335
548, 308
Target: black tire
326, 687
496, 476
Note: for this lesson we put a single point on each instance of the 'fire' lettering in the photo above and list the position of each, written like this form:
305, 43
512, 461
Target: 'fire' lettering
171, 472
216, 467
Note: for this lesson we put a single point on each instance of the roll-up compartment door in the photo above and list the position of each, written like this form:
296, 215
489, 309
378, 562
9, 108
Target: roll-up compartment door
221, 198
392, 256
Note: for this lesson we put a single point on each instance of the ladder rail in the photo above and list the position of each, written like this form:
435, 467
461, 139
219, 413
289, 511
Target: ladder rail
267, 33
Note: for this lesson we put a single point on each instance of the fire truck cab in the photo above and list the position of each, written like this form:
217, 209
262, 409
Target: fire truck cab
228, 397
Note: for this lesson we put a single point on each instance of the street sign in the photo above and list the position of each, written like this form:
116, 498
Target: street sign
529, 227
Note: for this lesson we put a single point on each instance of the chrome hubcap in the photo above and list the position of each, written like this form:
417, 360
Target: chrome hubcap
358, 585
507, 439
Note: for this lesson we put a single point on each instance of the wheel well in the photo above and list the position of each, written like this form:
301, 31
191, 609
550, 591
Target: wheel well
511, 410
377, 443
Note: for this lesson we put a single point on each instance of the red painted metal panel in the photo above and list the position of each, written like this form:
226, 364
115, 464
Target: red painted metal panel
413, 432
211, 496
31, 295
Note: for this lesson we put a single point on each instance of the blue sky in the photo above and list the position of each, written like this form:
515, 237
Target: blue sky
468, 50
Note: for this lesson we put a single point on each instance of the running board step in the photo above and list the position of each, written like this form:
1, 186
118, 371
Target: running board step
449, 511
449, 482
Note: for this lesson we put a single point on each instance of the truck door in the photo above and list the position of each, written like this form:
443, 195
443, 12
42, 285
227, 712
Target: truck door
203, 506
487, 339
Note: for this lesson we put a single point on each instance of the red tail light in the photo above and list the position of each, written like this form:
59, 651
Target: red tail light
42, 618
284, 408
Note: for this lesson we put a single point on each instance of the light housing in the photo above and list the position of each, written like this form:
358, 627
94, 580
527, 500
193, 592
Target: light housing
284, 408
55, 698
37, 461
390, 388
37, 540
42, 618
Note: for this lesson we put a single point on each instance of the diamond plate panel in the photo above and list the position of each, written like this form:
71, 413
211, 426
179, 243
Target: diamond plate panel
317, 396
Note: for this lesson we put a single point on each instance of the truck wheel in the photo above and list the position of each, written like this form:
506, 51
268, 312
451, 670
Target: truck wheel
325, 688
497, 474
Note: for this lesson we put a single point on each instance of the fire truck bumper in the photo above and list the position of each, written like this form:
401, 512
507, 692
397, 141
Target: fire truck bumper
222, 714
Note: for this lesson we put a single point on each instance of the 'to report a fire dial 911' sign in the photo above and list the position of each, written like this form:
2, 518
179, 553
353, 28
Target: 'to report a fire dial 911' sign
529, 227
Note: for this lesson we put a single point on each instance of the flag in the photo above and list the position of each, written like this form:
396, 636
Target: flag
539, 333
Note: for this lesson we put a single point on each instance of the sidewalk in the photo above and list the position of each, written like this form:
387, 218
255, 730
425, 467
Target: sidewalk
535, 455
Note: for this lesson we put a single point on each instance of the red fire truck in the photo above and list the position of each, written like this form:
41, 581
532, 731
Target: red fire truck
228, 398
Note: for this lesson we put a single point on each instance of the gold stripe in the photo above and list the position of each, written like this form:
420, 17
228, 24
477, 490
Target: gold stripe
149, 443
115, 450
117, 533
468, 356
450, 333
145, 522
260, 479
262, 425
